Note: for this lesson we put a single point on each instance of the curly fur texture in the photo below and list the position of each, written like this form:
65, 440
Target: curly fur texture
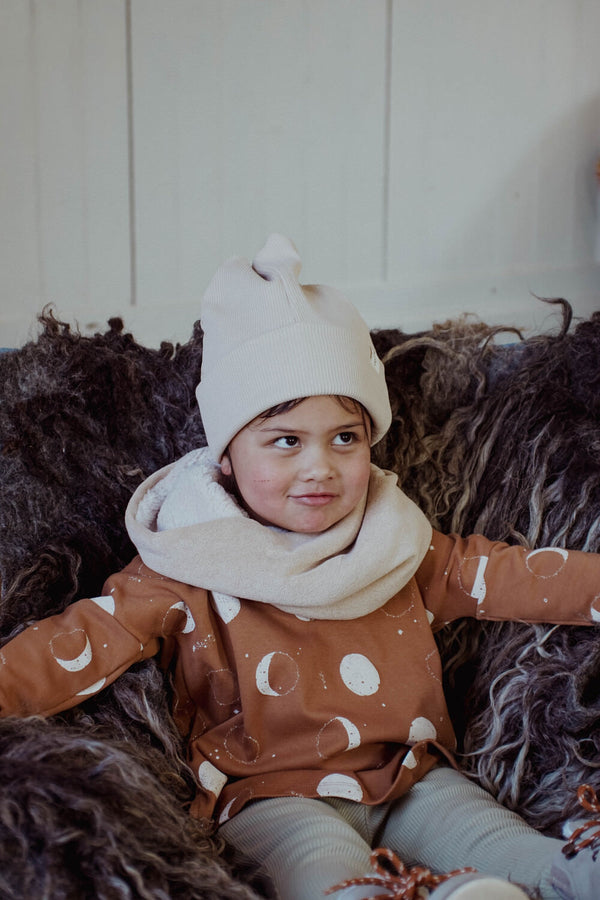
505, 441
82, 815
82, 422
499, 439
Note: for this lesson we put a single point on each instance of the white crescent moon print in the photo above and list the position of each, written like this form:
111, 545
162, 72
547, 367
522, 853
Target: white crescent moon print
288, 674
327, 734
227, 607
107, 603
78, 662
352, 732
189, 619
93, 688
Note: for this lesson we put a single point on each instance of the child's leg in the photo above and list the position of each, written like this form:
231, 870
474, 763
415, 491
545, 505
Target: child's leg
447, 821
302, 846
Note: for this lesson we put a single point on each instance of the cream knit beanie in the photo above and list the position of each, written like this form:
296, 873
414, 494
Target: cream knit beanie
268, 339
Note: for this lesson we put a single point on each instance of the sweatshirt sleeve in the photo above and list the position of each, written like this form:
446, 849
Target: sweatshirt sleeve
492, 580
58, 662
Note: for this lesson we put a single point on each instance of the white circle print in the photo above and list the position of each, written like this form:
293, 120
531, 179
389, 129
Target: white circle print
547, 562
359, 675
421, 729
211, 778
338, 785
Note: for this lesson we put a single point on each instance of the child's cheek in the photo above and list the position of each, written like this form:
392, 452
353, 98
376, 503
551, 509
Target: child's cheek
265, 474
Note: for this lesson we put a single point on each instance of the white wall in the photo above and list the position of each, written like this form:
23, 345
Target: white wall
428, 157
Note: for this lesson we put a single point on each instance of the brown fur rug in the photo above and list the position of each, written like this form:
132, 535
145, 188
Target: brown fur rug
501, 439
505, 441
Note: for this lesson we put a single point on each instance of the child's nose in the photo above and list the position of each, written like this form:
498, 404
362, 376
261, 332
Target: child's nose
318, 464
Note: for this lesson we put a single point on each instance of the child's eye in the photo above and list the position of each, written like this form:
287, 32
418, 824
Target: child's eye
287, 441
345, 437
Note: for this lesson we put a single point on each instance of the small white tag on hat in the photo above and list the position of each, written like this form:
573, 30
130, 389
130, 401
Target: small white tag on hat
374, 359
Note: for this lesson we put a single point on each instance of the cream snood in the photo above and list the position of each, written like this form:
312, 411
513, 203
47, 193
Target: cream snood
186, 526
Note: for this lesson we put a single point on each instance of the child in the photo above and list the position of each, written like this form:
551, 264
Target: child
292, 591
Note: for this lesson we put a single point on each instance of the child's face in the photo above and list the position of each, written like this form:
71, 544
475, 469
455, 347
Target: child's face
305, 469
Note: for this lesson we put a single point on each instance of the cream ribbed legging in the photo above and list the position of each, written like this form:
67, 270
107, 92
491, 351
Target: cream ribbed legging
445, 822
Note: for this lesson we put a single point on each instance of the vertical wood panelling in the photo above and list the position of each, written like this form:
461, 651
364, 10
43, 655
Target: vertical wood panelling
20, 253
106, 164
496, 172
251, 116
64, 126
427, 157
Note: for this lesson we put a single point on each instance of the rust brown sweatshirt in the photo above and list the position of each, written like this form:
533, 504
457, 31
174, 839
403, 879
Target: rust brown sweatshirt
272, 703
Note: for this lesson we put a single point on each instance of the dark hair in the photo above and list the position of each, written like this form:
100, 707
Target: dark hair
348, 403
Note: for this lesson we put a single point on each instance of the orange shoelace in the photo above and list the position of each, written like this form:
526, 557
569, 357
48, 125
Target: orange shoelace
588, 799
402, 883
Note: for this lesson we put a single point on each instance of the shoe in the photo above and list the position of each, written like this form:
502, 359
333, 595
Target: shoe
575, 873
392, 880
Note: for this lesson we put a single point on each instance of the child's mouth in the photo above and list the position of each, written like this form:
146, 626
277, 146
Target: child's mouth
314, 499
